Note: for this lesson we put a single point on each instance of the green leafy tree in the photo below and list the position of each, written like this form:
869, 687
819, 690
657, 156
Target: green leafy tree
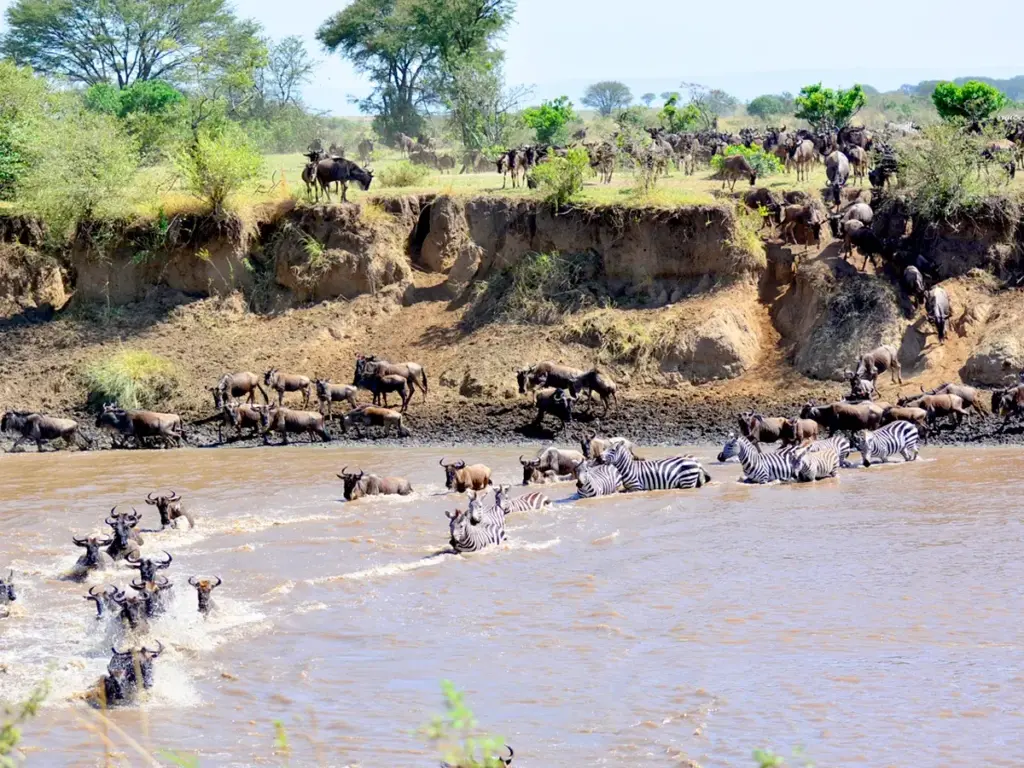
409, 48
666, 95
220, 163
676, 119
607, 96
119, 41
561, 178
24, 100
709, 104
481, 109
971, 102
648, 99
289, 66
769, 106
829, 110
550, 120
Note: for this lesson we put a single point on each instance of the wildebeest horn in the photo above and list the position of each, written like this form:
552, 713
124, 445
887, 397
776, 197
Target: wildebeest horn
134, 559
169, 561
192, 581
118, 597
163, 582
175, 496
80, 542
154, 654
441, 462
219, 582
523, 461
152, 497
135, 585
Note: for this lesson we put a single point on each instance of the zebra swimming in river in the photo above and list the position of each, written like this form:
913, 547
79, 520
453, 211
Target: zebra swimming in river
470, 532
524, 503
655, 474
895, 437
597, 479
809, 464
757, 467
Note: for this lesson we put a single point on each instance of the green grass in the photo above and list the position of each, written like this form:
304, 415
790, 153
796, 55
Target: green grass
132, 378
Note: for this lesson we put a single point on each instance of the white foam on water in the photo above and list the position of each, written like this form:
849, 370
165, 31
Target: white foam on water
389, 569
605, 539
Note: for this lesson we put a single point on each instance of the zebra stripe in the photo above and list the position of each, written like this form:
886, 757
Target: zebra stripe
658, 474
809, 465
758, 467
895, 437
524, 503
838, 443
471, 533
597, 480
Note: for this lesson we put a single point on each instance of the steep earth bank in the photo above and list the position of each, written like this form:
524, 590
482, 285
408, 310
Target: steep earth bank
688, 309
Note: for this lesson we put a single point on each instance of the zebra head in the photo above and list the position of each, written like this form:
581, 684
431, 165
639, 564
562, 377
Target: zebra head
865, 443
615, 454
476, 504
798, 461
731, 448
459, 523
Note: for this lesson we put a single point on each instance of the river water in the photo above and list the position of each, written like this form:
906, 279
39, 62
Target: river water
873, 620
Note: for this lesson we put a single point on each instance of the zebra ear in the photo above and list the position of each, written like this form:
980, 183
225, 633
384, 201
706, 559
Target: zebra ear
451, 515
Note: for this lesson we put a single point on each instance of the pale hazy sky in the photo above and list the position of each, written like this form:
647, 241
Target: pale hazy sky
747, 48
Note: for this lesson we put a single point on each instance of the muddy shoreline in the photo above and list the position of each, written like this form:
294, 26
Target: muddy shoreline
657, 421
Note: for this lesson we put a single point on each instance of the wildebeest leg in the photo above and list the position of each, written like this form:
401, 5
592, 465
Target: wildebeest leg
305, 398
384, 397
280, 397
344, 191
18, 442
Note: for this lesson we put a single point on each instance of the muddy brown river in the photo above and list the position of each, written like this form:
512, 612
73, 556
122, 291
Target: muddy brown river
873, 620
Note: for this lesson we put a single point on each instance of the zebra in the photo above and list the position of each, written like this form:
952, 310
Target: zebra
809, 464
838, 443
656, 474
471, 533
757, 467
488, 513
597, 479
524, 503
895, 437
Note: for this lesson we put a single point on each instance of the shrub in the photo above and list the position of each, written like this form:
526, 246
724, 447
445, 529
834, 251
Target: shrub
940, 177
828, 110
23, 102
765, 163
403, 174
132, 378
676, 119
550, 119
219, 163
456, 737
561, 178
973, 101
83, 171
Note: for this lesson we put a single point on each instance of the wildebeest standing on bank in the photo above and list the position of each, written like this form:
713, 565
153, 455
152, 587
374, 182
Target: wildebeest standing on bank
341, 171
370, 365
328, 394
40, 428
235, 385
285, 421
372, 416
936, 303
288, 382
142, 425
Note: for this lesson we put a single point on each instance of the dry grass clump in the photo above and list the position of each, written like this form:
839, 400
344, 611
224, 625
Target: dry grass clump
624, 337
132, 378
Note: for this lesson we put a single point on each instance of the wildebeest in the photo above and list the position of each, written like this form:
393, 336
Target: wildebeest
550, 373
242, 416
170, 508
235, 385
913, 282
593, 447
288, 382
557, 402
286, 421
761, 429
381, 385
40, 428
844, 417
148, 566
590, 382
142, 425
737, 167
372, 416
359, 485
155, 595
878, 361
916, 416
460, 478
806, 216
937, 406
123, 543
203, 589
557, 461
341, 171
858, 158
802, 154
7, 594
798, 431
370, 365
309, 174
365, 149
134, 615
936, 303
104, 599
93, 559
1008, 402
120, 686
837, 169
328, 393
971, 396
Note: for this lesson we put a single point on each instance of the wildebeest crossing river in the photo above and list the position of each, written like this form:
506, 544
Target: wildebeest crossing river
871, 620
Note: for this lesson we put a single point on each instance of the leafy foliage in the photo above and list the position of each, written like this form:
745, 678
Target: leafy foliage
96, 41
648, 99
455, 734
607, 96
24, 99
765, 163
561, 178
973, 101
13, 717
708, 104
550, 119
132, 378
770, 106
220, 163
676, 119
481, 109
829, 110
403, 174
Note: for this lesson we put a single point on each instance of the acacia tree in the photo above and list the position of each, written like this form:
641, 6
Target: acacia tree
409, 48
648, 99
607, 96
971, 102
829, 111
709, 104
121, 41
769, 105
481, 109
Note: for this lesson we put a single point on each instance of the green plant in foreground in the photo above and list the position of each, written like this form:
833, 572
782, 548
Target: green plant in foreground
132, 378
765, 163
13, 717
561, 178
454, 734
403, 174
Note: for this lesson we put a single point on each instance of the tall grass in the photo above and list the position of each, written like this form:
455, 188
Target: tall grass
132, 379
404, 174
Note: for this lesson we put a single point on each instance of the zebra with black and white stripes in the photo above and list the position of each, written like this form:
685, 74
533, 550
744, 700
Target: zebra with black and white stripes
810, 463
470, 532
895, 437
597, 480
838, 443
757, 467
525, 503
655, 474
